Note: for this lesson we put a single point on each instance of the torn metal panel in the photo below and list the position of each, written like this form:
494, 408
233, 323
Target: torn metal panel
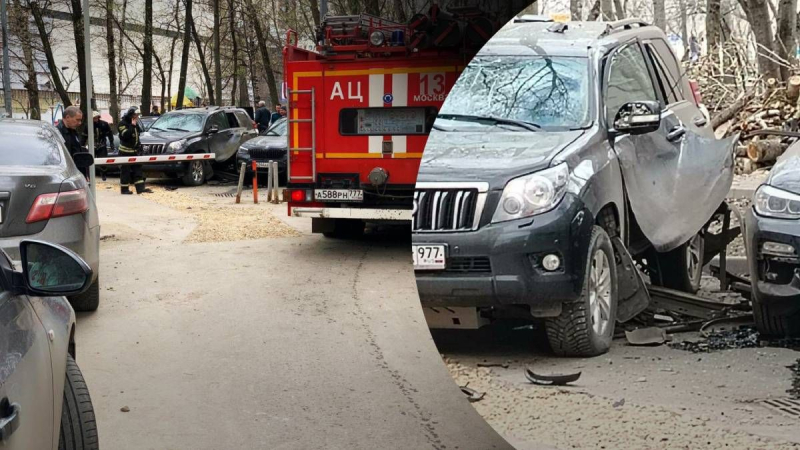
674, 189
551, 380
647, 336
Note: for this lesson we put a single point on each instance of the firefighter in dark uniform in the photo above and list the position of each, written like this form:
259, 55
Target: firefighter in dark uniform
129, 146
103, 137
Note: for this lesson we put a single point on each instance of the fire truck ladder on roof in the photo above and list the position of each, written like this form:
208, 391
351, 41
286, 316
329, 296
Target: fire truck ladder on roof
313, 148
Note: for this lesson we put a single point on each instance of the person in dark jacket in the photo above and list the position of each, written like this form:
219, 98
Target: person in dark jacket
276, 116
69, 125
262, 117
103, 138
129, 145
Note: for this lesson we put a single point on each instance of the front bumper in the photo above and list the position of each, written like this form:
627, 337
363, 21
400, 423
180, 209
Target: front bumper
775, 279
71, 232
261, 170
514, 249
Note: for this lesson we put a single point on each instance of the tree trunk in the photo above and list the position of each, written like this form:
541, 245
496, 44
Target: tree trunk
217, 57
187, 39
244, 95
400, 11
206, 74
314, 6
713, 24
172, 55
262, 45
147, 60
659, 14
785, 45
373, 7
684, 28
619, 9
595, 11
121, 48
112, 64
575, 9
607, 8
21, 27
235, 54
757, 12
77, 29
58, 85
251, 60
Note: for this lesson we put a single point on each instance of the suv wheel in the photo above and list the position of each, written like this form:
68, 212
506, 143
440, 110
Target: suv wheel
776, 320
586, 325
195, 173
78, 425
682, 269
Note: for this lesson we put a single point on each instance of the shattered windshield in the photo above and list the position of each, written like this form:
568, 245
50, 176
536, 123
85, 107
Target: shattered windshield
550, 92
179, 122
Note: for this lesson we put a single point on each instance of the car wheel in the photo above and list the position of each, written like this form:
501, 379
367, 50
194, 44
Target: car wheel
346, 229
774, 321
78, 425
682, 269
89, 300
195, 174
586, 325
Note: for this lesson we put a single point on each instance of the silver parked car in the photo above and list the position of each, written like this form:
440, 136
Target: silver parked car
44, 402
44, 196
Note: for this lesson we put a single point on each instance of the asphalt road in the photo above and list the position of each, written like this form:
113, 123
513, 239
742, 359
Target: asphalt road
281, 343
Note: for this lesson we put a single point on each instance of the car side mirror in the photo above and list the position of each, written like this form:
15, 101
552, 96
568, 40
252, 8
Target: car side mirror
83, 159
213, 129
638, 118
50, 270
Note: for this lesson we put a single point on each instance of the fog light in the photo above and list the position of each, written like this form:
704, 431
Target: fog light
551, 263
777, 249
377, 38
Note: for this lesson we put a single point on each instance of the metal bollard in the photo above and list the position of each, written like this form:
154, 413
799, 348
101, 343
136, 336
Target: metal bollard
269, 181
241, 183
276, 181
255, 182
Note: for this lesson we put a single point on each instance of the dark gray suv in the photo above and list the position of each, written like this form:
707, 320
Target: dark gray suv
565, 156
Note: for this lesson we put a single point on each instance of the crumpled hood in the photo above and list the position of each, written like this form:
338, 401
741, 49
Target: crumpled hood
494, 157
266, 142
157, 137
786, 173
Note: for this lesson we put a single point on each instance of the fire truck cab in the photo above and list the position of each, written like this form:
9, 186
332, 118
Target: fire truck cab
360, 109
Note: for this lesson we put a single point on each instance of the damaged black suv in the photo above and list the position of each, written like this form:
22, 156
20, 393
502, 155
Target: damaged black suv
566, 158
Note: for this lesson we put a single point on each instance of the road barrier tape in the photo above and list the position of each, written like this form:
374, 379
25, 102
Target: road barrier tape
151, 159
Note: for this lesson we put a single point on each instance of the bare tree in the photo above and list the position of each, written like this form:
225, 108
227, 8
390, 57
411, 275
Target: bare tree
77, 29
262, 45
35, 7
20, 26
112, 63
785, 40
575, 9
206, 74
147, 76
659, 14
758, 15
217, 56
713, 23
187, 39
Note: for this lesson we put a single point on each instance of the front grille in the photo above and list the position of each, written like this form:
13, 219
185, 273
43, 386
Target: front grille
267, 153
443, 207
152, 149
480, 264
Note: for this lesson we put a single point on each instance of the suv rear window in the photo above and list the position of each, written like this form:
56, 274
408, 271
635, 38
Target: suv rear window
547, 91
29, 146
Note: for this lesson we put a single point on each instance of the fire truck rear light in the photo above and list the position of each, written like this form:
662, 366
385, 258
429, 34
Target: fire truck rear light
302, 195
48, 206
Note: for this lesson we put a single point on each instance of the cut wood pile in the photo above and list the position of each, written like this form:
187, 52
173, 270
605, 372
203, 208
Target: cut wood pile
740, 102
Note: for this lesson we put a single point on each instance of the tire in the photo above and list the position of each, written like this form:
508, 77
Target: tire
579, 330
682, 269
195, 173
346, 229
78, 425
772, 321
89, 300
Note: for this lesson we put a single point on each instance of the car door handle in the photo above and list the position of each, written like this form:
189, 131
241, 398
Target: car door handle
10, 422
676, 133
700, 121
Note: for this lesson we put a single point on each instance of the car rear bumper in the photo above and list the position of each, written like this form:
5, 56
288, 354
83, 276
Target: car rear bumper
775, 279
71, 231
514, 250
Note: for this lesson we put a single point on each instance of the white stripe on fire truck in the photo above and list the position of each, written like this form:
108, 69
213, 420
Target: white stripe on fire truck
376, 85
400, 94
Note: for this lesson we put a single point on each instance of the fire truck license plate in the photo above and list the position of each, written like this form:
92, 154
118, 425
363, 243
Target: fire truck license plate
428, 257
339, 195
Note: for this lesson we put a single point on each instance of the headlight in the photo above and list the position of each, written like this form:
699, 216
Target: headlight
176, 146
777, 203
242, 152
532, 194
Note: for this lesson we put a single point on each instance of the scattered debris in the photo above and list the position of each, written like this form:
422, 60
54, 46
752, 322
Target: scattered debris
743, 337
794, 391
491, 364
108, 237
472, 395
125, 409
725, 324
647, 336
551, 380
641, 380
619, 403
171, 188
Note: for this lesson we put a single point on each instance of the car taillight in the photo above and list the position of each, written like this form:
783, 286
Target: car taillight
698, 99
48, 206
302, 195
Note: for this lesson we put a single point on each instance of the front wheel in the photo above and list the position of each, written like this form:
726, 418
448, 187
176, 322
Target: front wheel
682, 268
586, 325
195, 173
78, 425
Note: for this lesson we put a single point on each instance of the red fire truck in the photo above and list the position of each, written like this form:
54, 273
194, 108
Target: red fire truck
360, 108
